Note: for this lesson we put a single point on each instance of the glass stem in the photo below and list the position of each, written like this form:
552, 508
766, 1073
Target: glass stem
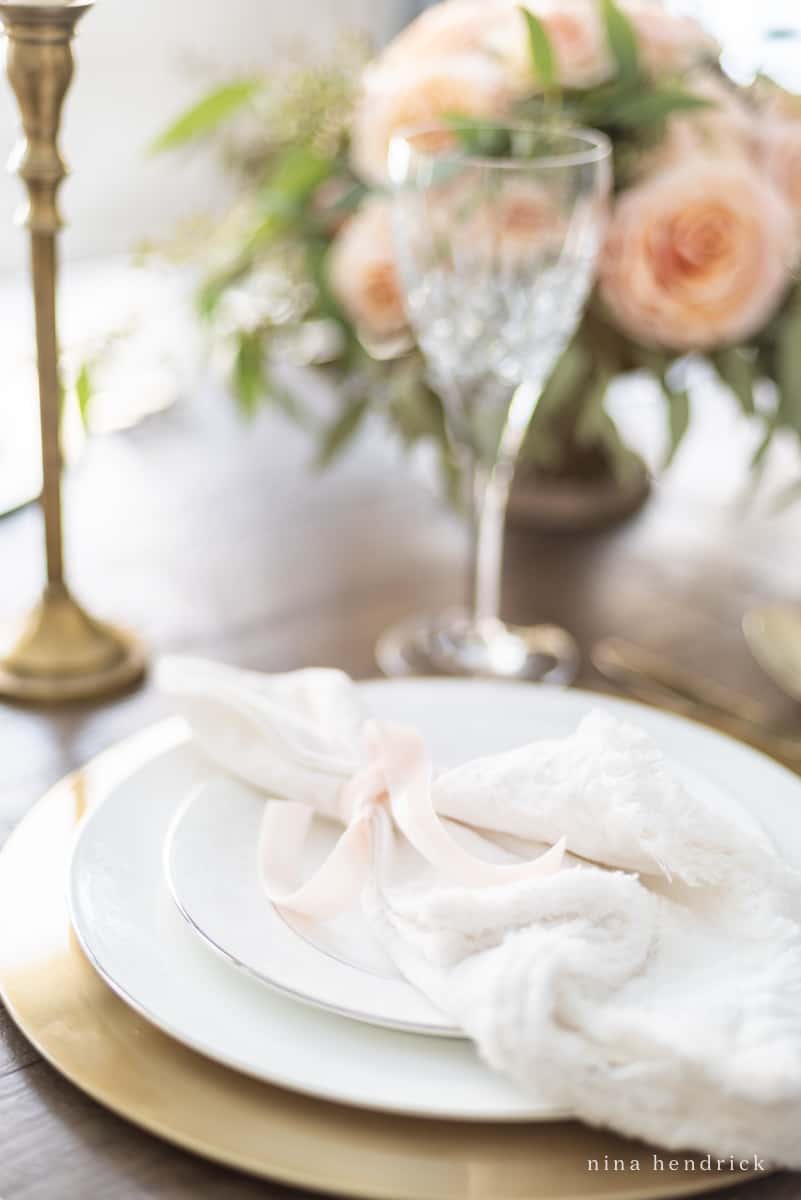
490, 498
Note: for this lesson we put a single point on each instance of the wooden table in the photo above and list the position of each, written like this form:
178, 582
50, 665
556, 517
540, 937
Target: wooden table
212, 537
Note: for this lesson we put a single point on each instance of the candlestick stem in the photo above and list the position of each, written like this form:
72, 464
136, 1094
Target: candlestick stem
43, 263
60, 653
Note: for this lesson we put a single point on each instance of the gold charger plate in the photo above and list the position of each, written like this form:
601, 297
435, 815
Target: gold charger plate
107, 1050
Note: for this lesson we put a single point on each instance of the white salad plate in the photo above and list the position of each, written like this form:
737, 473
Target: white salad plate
129, 926
211, 861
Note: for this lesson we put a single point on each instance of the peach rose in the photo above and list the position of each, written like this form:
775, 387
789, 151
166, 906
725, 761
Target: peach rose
781, 155
394, 98
451, 28
363, 275
576, 33
668, 42
697, 256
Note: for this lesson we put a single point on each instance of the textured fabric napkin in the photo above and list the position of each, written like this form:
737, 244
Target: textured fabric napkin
655, 989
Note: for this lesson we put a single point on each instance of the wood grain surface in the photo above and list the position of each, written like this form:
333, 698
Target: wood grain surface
213, 537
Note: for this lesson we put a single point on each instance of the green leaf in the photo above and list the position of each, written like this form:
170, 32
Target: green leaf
83, 392
601, 98
622, 40
248, 379
542, 54
678, 418
294, 176
296, 173
451, 475
651, 108
414, 409
486, 137
569, 378
477, 137
205, 116
759, 455
736, 369
339, 433
788, 366
593, 418
285, 399
317, 262
213, 288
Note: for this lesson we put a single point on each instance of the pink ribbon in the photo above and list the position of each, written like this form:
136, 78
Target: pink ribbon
398, 783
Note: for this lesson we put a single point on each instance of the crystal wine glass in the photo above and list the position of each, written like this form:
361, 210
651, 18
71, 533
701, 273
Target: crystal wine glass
497, 232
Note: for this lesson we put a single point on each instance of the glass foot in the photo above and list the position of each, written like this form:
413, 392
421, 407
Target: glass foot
453, 644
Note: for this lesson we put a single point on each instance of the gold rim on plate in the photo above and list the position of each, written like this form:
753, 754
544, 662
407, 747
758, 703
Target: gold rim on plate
114, 1055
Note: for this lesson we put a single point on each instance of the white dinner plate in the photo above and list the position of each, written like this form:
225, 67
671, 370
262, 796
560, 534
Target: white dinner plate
211, 863
131, 930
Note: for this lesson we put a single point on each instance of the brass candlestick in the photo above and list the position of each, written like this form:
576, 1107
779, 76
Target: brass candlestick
60, 652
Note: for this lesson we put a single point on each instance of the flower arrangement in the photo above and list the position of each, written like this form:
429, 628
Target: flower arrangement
702, 239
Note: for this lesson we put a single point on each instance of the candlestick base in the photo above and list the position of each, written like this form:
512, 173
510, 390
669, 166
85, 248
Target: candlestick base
60, 653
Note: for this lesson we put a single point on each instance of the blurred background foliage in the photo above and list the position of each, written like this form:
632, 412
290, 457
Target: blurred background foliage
266, 302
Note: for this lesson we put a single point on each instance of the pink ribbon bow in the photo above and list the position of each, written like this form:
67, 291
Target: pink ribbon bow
395, 784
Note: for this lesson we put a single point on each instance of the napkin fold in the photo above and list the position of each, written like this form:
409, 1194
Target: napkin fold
650, 981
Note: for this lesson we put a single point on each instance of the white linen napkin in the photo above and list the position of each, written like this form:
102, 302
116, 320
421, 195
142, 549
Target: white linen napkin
655, 990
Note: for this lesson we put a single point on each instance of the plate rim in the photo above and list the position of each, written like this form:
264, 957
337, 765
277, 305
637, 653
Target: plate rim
420, 1029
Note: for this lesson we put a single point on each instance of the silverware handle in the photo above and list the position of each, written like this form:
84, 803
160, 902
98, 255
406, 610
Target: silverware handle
651, 679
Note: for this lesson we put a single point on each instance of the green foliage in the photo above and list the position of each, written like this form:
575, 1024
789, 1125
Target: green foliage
295, 174
249, 377
622, 41
760, 454
216, 285
775, 355
678, 412
788, 364
479, 137
647, 108
621, 108
414, 407
326, 303
543, 59
632, 111
416, 412
592, 417
570, 377
736, 367
83, 391
339, 433
207, 115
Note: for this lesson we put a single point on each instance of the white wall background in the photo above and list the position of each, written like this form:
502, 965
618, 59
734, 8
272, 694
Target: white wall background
138, 63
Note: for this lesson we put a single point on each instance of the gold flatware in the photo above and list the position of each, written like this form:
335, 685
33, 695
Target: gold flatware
773, 633
653, 679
